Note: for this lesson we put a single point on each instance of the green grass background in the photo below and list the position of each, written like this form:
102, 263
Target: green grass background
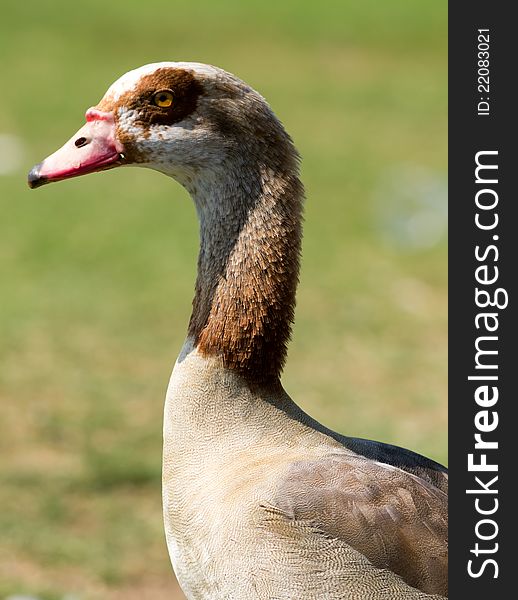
97, 273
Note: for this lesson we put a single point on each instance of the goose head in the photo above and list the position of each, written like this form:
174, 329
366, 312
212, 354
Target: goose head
183, 119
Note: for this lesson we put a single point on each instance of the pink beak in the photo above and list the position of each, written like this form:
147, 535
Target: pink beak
94, 147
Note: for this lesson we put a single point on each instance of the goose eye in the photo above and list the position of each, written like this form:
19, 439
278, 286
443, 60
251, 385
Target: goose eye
163, 99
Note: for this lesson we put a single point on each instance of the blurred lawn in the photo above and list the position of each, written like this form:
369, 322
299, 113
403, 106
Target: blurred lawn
97, 273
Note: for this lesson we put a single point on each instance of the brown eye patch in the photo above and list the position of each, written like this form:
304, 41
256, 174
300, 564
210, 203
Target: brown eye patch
150, 98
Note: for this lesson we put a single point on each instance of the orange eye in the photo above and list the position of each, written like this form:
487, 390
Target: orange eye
164, 99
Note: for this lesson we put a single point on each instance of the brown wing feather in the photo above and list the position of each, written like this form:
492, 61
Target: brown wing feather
395, 519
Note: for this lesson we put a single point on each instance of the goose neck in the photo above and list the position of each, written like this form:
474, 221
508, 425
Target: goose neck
248, 265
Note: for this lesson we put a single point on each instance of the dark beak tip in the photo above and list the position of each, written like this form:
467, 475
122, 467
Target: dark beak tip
34, 179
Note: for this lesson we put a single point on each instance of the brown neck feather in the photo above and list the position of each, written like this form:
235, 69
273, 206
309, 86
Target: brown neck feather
250, 222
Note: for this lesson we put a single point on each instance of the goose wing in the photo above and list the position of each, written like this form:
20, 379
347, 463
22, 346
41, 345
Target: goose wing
358, 529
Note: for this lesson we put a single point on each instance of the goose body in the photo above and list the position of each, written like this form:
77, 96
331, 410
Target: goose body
260, 501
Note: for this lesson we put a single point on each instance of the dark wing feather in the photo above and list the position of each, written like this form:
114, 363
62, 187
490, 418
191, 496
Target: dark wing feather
426, 469
406, 460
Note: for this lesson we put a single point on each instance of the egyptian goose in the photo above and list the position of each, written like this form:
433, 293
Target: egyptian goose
260, 500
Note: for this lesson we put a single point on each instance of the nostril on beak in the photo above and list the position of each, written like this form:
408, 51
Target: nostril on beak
80, 142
